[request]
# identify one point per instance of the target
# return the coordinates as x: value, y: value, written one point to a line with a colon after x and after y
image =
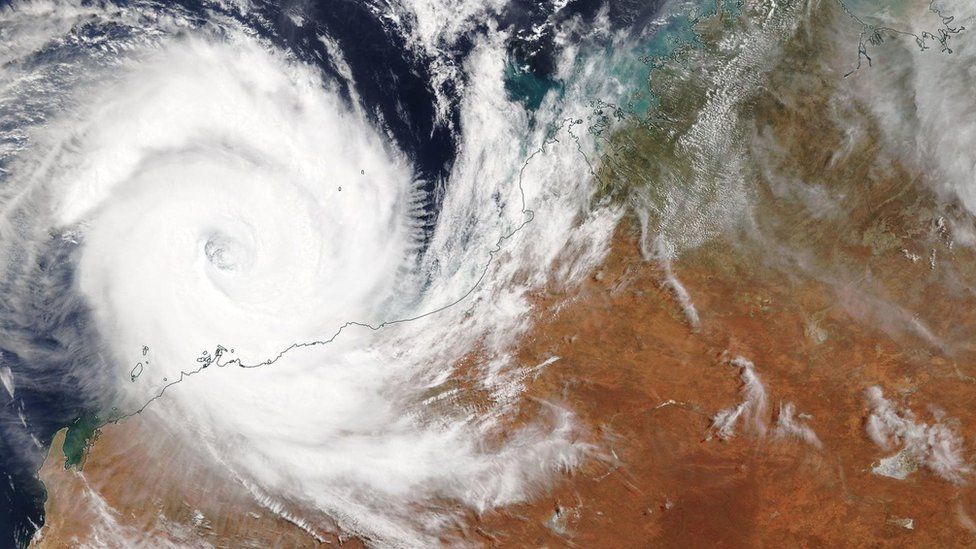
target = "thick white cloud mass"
x: 250, y: 248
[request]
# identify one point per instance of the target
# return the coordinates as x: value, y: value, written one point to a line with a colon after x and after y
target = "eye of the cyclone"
x: 226, y: 253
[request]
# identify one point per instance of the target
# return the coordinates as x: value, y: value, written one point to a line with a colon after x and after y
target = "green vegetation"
x: 82, y: 432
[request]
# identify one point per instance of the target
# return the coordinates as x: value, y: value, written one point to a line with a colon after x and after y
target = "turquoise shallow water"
x: 628, y: 63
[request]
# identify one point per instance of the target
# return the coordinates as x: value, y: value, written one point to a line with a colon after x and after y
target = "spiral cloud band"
x: 252, y: 257
x: 181, y: 171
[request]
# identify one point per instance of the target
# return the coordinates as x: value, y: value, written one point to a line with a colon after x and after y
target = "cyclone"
x: 256, y: 252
